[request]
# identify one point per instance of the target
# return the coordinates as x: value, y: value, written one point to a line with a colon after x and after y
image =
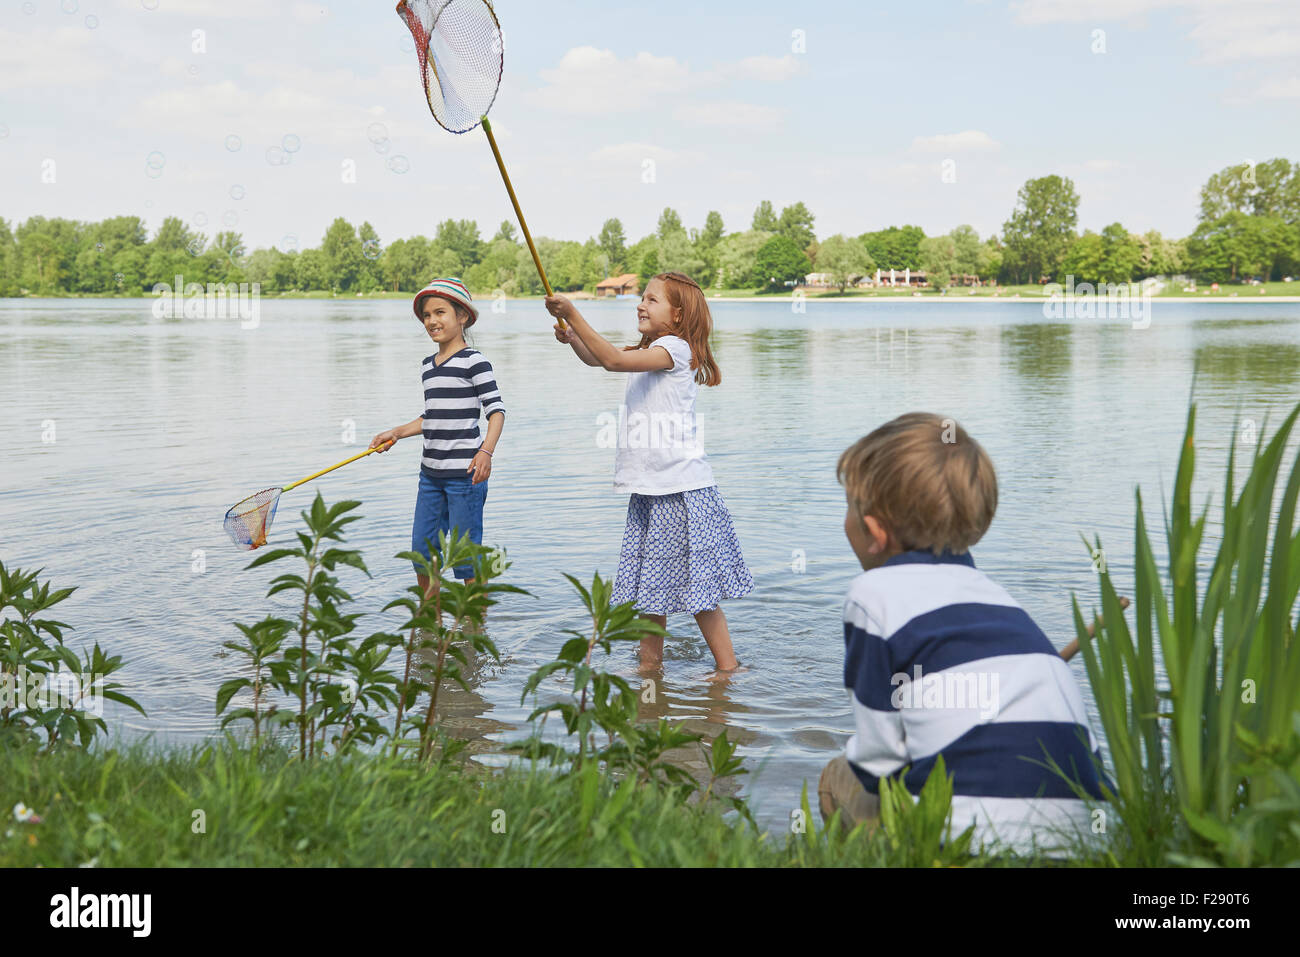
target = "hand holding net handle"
x: 519, y: 213
x: 359, y: 455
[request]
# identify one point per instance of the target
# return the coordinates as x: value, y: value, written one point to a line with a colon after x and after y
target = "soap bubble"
x: 195, y: 247
x: 155, y: 160
x: 119, y: 278
x: 371, y: 249
x: 289, y: 243
x: 238, y: 257
x: 99, y: 247
x: 382, y: 147
x: 233, y: 143
x: 92, y: 21
x: 377, y: 132
x: 398, y: 163
x: 29, y: 8
x: 276, y: 156
x: 149, y: 4
x: 236, y: 192
x: 194, y: 69
x: 69, y: 6
x: 229, y: 218
x: 4, y: 131
x: 200, y: 219
x: 291, y: 143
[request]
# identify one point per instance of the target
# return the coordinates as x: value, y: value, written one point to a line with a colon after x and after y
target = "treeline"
x: 1249, y: 228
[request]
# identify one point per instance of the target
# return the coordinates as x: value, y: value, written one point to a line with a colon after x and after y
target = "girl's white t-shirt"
x: 659, y: 448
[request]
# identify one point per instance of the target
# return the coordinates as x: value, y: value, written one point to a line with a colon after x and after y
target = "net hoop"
x: 441, y: 85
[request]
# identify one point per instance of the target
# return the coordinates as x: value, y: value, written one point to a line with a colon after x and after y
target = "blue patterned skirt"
x: 680, y: 553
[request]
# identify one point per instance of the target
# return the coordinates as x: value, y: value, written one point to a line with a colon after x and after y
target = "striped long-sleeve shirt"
x: 455, y: 393
x: 941, y: 660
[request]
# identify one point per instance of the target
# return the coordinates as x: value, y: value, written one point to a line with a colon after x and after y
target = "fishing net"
x: 461, y: 57
x: 248, y: 522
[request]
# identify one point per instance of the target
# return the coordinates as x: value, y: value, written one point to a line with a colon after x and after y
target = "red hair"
x: 686, y: 297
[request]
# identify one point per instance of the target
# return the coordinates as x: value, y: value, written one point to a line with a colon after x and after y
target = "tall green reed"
x: 1228, y: 725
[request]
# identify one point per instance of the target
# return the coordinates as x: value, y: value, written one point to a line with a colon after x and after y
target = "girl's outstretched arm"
x: 605, y: 353
x: 566, y: 334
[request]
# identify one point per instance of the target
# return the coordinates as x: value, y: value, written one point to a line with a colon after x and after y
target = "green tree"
x: 371, y: 276
x: 461, y: 237
x: 780, y: 262
x: 796, y: 224
x: 1271, y: 188
x: 8, y: 261
x: 313, y: 271
x: 47, y: 251
x: 939, y: 260
x: 845, y: 259
x: 1085, y: 258
x: 765, y: 218
x: 649, y: 265
x: 614, y: 244
x: 969, y: 256
x: 1042, y: 225
x: 736, y: 256
x: 1238, y: 245
x: 678, y: 254
x: 669, y: 223
x: 1121, y: 254
x: 341, y: 250
x: 713, y: 230
x: 896, y: 247
x: 506, y: 231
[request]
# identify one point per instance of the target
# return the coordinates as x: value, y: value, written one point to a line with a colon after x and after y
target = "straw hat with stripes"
x: 452, y: 289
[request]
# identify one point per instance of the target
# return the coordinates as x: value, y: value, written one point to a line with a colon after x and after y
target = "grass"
x: 219, y: 805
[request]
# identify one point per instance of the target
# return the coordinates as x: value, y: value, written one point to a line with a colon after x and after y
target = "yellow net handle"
x: 359, y: 455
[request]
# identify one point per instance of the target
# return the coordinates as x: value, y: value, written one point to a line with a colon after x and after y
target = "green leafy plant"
x: 446, y: 619
x: 918, y: 831
x: 1227, y: 725
x: 600, y: 701
x: 44, y: 686
x: 334, y: 678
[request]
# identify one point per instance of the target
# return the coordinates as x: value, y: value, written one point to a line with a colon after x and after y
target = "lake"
x: 126, y: 437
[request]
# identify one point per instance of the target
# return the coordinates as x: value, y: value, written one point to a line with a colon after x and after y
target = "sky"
x: 249, y: 114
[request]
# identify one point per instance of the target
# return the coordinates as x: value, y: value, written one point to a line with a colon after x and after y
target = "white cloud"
x: 1223, y: 30
x: 730, y: 114
x: 763, y: 68
x: 1280, y: 89
x: 50, y: 58
x: 967, y: 141
x: 588, y: 80
x: 1076, y: 11
x: 1104, y: 165
x: 223, y: 9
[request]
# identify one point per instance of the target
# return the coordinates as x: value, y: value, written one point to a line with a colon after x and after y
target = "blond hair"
x: 930, y: 484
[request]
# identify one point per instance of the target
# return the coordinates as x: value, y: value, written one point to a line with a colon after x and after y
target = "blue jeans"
x: 447, y: 503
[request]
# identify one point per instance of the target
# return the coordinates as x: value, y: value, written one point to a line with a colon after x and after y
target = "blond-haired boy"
x: 941, y: 660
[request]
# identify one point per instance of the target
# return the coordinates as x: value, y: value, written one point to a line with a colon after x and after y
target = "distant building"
x: 628, y: 284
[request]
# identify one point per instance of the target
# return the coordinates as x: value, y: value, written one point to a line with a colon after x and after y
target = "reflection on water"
x: 158, y: 426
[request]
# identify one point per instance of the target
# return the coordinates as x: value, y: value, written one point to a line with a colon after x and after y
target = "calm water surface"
x: 160, y: 425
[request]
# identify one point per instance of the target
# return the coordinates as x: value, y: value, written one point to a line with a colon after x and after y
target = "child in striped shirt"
x: 457, y: 460
x: 941, y: 660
